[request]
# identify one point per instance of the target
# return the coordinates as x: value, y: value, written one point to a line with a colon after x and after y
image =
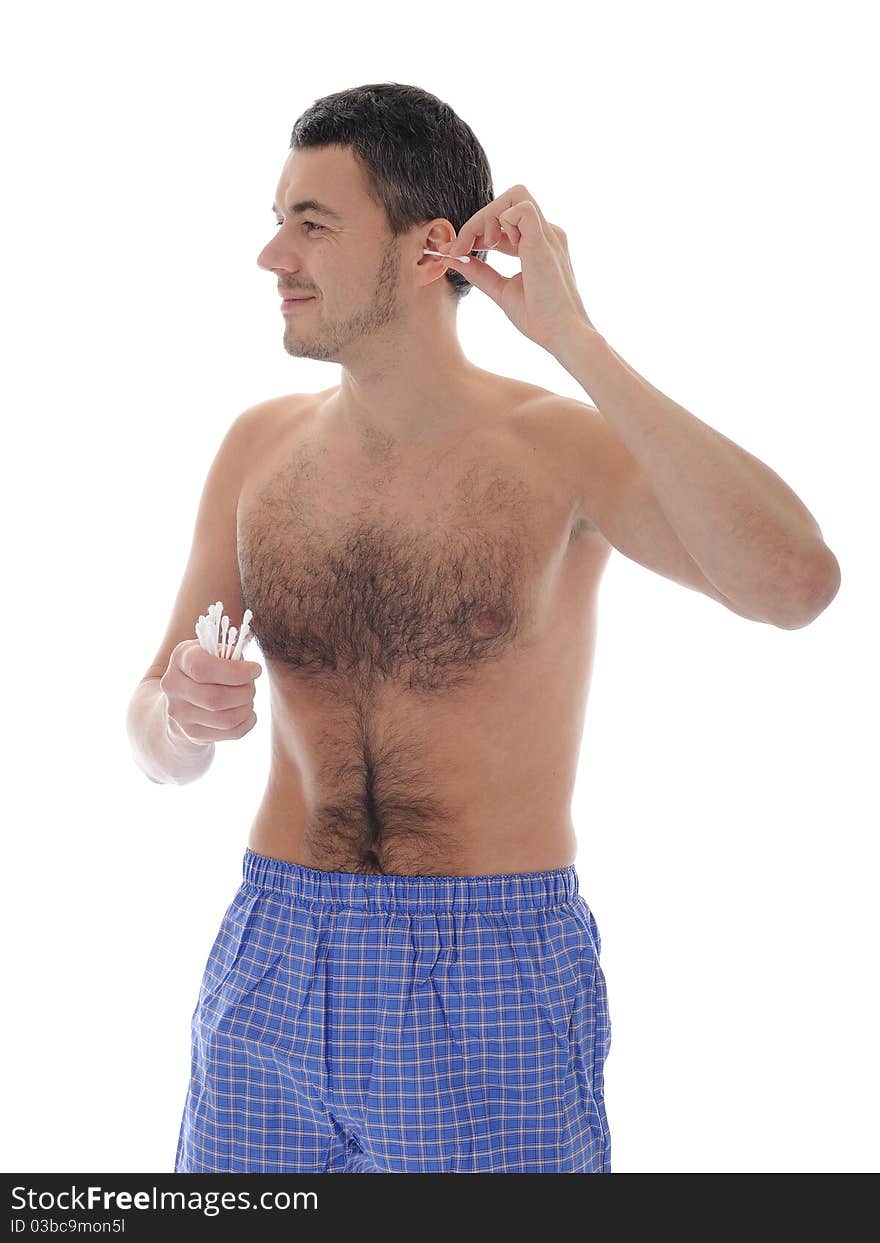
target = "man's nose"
x: 271, y: 257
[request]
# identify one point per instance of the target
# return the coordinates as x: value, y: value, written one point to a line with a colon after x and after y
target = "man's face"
x: 346, y: 263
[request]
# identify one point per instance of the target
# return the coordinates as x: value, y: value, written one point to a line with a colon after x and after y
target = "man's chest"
x: 419, y: 565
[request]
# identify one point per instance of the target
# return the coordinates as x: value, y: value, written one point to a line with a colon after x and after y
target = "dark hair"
x: 421, y: 160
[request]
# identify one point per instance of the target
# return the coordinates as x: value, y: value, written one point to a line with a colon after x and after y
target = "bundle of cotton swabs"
x: 217, y: 637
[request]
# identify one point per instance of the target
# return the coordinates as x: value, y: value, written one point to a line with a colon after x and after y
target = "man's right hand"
x: 210, y: 699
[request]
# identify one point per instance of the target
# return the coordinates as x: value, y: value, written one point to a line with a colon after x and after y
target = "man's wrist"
x: 181, y: 740
x: 575, y: 341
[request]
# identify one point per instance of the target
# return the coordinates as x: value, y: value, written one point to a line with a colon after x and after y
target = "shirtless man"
x: 407, y: 979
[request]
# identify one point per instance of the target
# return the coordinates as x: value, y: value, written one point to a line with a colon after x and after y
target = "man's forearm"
x: 746, y: 529
x: 165, y: 760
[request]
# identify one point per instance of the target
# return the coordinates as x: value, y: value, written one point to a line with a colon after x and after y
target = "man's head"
x: 399, y: 171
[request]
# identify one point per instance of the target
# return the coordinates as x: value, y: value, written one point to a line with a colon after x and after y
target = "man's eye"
x: 310, y: 223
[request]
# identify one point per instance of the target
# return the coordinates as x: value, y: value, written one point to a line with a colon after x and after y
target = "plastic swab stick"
x: 460, y: 258
x: 244, y: 635
x: 218, y: 609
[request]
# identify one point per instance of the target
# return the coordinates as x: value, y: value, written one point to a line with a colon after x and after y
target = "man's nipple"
x: 488, y: 622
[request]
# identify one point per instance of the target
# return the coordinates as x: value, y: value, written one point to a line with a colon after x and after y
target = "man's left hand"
x: 542, y: 299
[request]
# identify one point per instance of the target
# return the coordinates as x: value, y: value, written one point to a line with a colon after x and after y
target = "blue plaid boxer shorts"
x: 358, y: 1023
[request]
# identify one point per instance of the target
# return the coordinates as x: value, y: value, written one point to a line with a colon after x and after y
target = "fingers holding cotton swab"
x: 208, y: 700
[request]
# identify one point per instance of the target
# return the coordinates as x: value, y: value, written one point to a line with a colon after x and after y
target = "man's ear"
x: 441, y: 232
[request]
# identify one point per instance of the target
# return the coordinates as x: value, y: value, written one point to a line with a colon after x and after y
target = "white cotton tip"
x: 224, y: 626
x: 208, y: 627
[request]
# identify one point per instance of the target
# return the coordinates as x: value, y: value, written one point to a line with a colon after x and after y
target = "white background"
x: 712, y: 167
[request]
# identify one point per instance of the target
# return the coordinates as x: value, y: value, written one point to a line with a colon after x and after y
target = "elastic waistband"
x: 503, y: 891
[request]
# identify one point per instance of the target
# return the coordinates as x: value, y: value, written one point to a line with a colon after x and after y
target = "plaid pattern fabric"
x: 351, y: 1023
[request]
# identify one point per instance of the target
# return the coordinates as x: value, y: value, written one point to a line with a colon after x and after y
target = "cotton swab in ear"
x: 460, y: 258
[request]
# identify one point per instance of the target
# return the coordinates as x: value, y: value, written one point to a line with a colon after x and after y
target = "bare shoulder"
x: 263, y: 423
x: 567, y: 432
x: 275, y: 410
x: 536, y: 411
